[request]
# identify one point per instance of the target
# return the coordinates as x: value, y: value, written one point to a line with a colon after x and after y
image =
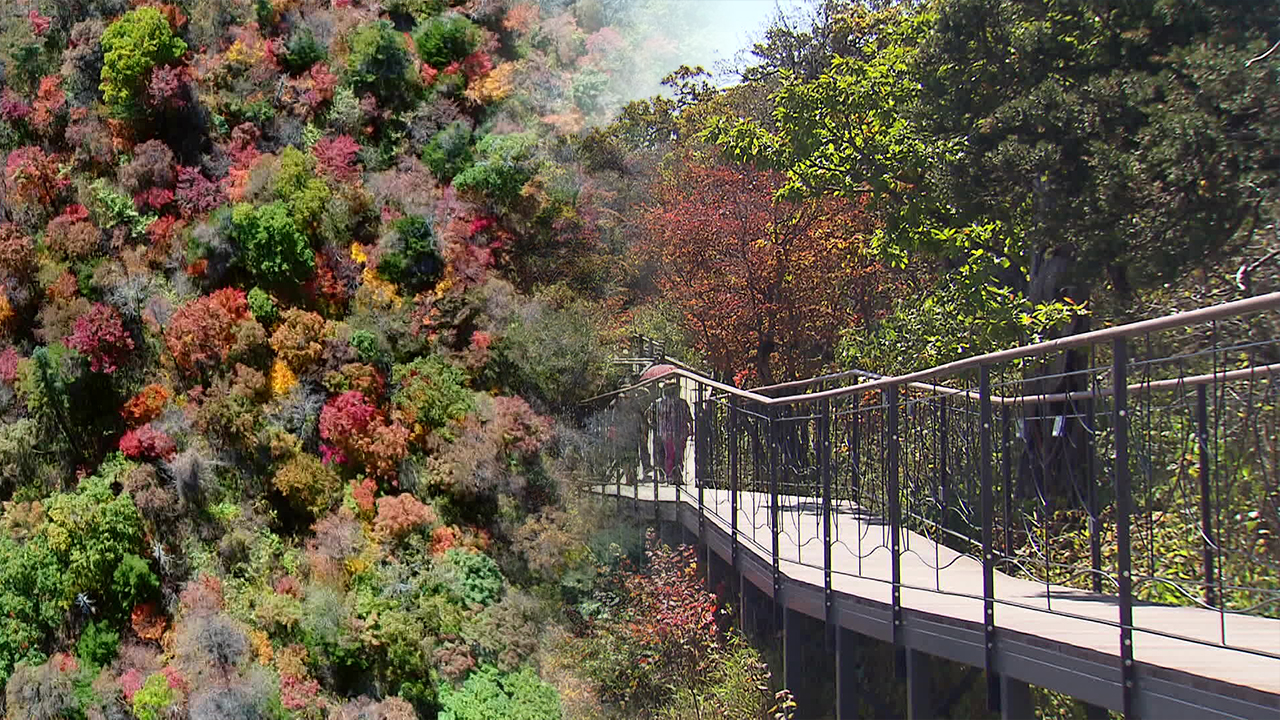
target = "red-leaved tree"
x: 765, y: 285
x: 202, y: 333
x: 100, y: 336
x: 361, y: 432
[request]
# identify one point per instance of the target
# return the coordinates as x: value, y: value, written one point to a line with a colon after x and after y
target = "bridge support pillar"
x: 919, y: 686
x: 792, y: 637
x: 847, y: 681
x: 1015, y: 700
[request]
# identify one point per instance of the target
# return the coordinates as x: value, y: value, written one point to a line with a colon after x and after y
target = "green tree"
x: 379, y: 63
x: 275, y: 250
x: 132, y: 47
x: 505, y: 163
x: 445, y: 39
x: 491, y: 693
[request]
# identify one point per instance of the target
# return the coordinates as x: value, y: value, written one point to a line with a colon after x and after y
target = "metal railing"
x: 1138, y: 464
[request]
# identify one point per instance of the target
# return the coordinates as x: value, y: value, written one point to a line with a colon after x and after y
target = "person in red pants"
x: 674, y: 424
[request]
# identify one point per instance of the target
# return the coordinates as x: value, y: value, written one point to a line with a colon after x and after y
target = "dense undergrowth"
x: 291, y: 294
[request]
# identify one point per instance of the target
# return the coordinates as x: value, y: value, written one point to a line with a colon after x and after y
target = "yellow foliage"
x: 282, y: 378
x: 495, y: 86
x: 6, y: 310
x: 261, y: 646
x: 358, y: 254
x: 375, y: 292
x: 242, y: 53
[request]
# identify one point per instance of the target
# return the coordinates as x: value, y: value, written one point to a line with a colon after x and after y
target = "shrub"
x: 446, y: 39
x: 262, y: 306
x: 662, y: 635
x: 196, y: 194
x: 505, y: 163
x: 152, y: 700
x: 43, y: 692
x: 524, y: 432
x: 308, y: 483
x: 399, y: 515
x: 211, y: 646
x: 415, y: 264
x: 549, y: 353
x: 70, y: 236
x: 490, y: 693
x: 147, y: 443
x: 133, y: 582
x: 91, y: 531
x: 297, y: 340
x: 132, y: 46
x: 449, y: 151
x: 145, y: 406
x: 379, y: 63
x: 98, y: 644
x: 33, y: 177
x: 357, y: 428
x: 302, y: 50
x: 276, y: 251
x: 151, y: 166
x: 100, y: 336
x: 82, y: 62
x: 336, y: 157
x: 472, y: 577
x: 202, y: 333
x: 430, y: 393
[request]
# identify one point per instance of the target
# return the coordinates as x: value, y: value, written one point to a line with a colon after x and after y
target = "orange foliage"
x: 145, y: 406
x: 148, y: 622
x: 766, y: 285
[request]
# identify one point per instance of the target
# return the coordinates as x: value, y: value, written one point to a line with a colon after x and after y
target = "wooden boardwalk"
x: 940, y: 582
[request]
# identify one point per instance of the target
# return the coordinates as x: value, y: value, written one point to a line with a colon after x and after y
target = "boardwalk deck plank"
x: 1064, y: 617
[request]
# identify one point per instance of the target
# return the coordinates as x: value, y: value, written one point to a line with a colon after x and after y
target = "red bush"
x: 100, y: 336
x: 50, y: 104
x: 523, y: 431
x: 353, y: 425
x: 17, y: 253
x: 336, y: 157
x: 9, y: 365
x: 147, y: 443
x: 34, y: 177
x: 196, y: 194
x: 201, y: 333
x: 399, y: 515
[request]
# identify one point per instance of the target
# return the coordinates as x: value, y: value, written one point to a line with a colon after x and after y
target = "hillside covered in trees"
x: 299, y: 298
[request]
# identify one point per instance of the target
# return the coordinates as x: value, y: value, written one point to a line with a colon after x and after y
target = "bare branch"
x: 1264, y: 55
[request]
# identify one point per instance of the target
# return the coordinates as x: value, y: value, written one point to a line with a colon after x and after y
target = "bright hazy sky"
x: 732, y: 25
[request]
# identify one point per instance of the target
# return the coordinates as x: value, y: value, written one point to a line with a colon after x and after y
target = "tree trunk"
x: 1054, y: 458
x: 764, y: 362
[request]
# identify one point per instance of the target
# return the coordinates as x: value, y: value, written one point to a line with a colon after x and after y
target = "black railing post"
x: 1206, y: 515
x: 1006, y: 475
x: 657, y: 440
x: 855, y: 472
x: 732, y: 436
x: 701, y: 466
x: 1091, y: 468
x: 1124, y: 506
x: 775, y: 512
x: 895, y: 526
x: 994, y: 700
x: 824, y: 471
x: 943, y: 470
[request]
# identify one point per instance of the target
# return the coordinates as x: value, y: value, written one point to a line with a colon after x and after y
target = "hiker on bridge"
x: 673, y: 423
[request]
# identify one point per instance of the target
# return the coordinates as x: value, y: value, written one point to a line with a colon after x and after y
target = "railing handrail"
x: 1221, y: 311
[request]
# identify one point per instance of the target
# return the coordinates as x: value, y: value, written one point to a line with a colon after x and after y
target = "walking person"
x: 673, y: 421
